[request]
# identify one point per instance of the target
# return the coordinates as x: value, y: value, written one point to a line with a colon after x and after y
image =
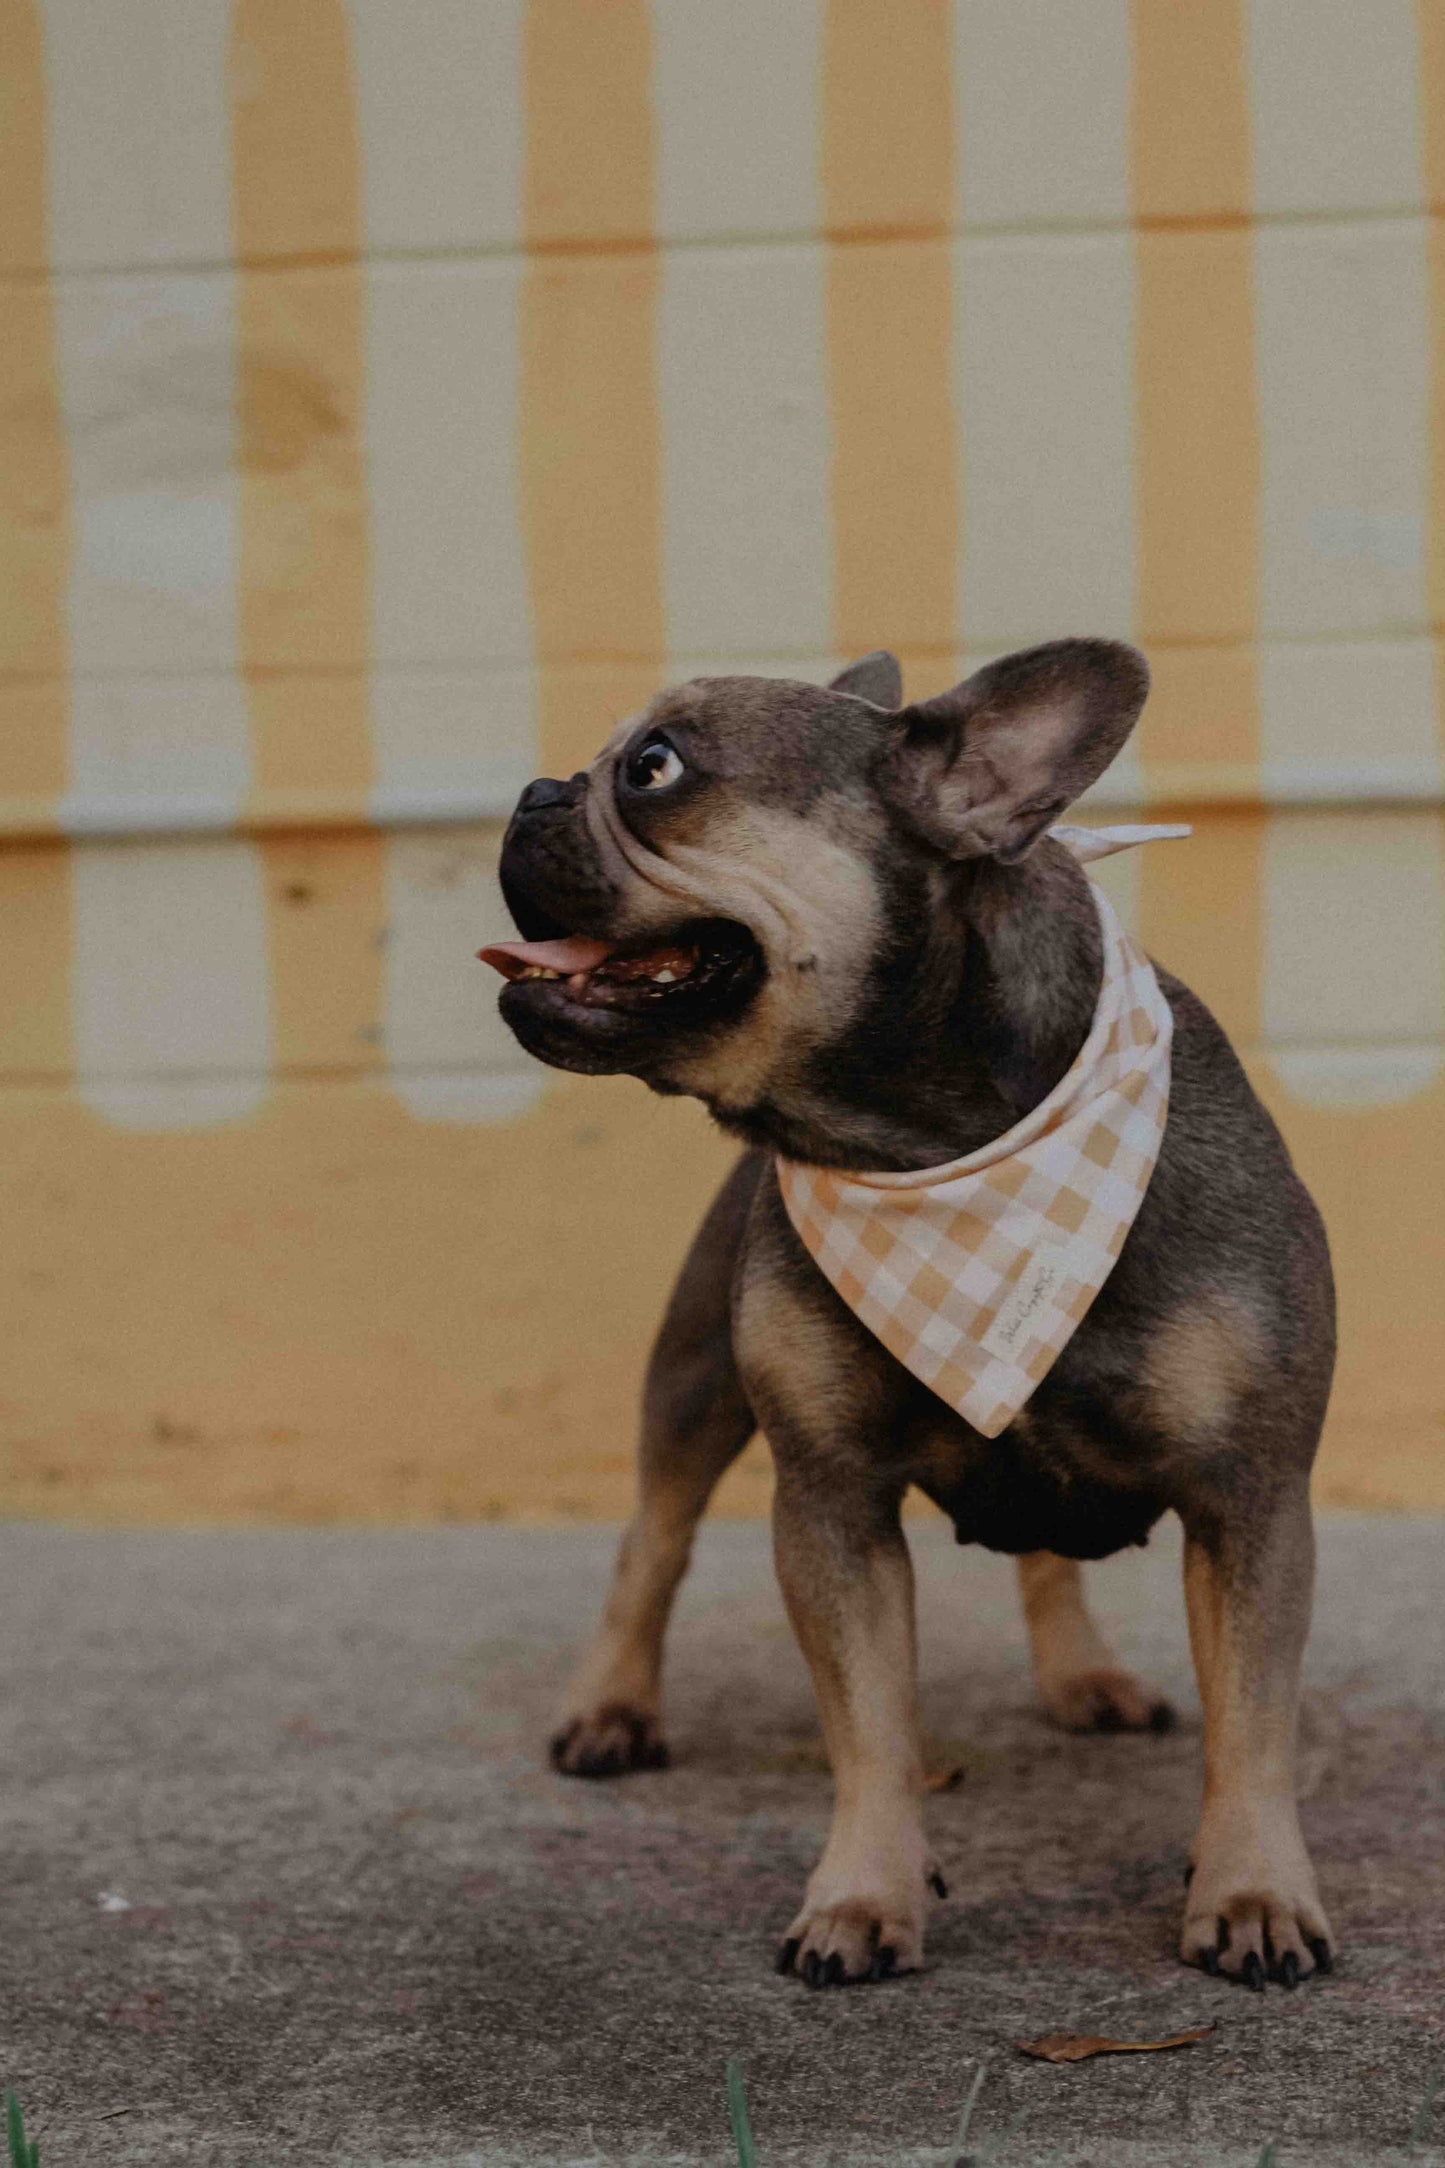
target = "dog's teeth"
x: 664, y: 977
x: 540, y: 971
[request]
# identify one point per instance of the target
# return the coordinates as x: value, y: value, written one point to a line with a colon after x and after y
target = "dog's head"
x: 724, y: 894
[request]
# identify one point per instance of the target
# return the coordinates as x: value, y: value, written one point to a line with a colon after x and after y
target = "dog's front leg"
x: 848, y: 1583
x: 1253, y: 1909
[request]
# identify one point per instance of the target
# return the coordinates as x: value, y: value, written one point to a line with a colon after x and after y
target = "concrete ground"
x: 287, y: 1881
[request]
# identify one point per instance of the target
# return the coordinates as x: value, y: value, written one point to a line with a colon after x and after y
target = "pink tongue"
x: 576, y: 953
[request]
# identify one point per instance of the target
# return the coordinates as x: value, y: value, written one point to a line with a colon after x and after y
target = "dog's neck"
x: 966, y: 1024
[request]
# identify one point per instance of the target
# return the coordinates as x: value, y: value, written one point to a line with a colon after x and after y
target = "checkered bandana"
x: 975, y: 1274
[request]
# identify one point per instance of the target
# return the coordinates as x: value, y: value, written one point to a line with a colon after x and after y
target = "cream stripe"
x: 745, y: 449
x: 143, y: 747
x: 1333, y: 90
x: 588, y: 411
x: 138, y: 103
x: 1348, y: 720
x: 890, y: 331
x: 1354, y: 1001
x: 441, y: 120
x: 148, y: 375
x: 1043, y: 96
x: 1044, y: 352
x: 171, y: 1008
x: 735, y: 96
x: 451, y: 1057
x: 450, y: 586
x: 1343, y: 413
x: 453, y: 697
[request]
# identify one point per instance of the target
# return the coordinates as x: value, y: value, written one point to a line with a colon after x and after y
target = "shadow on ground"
x: 287, y: 1882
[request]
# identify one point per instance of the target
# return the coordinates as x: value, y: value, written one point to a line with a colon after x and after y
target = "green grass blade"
x: 965, y: 2121
x: 738, y: 2117
x: 22, y: 2155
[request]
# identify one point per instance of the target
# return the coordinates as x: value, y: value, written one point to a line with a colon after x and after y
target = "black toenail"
x: 812, y: 1970
x: 1161, y: 1717
x: 1320, y: 1952
x: 937, y: 1884
x: 884, y: 1962
x: 787, y: 1953
x: 1253, y: 1972
x: 1209, y: 1959
x: 833, y: 1971
x: 1289, y: 1970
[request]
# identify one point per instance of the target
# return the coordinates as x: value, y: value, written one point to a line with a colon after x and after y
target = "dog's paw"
x: 855, y: 1939
x: 610, y: 1741
x: 843, y: 1936
x: 1253, y: 1913
x: 1105, y: 1701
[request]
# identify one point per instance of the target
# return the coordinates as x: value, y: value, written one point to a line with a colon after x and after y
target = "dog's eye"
x: 654, y: 765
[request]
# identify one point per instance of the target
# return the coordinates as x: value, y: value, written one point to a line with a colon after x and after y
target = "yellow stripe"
x: 1191, y: 111
x: 1432, y: 111
x: 36, y: 1041
x: 304, y: 605
x: 1198, y: 438
x: 886, y: 78
x: 588, y: 423
x: 34, y: 527
x: 1199, y: 913
x: 1197, y: 486
x: 35, y: 1034
x: 304, y: 599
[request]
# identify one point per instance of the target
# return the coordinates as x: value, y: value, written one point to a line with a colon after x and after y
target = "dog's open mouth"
x: 701, y: 962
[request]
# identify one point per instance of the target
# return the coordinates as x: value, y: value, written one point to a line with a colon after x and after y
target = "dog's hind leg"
x: 1081, y: 1683
x: 695, y: 1422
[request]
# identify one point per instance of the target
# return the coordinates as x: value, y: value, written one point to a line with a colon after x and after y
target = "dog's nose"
x: 544, y: 792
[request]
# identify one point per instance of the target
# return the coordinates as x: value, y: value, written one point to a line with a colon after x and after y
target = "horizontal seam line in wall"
x: 607, y: 658
x: 383, y: 1072
x: 387, y: 1072
x: 640, y: 246
x: 481, y: 809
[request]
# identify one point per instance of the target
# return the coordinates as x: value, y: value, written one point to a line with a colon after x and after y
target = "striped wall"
x: 392, y: 397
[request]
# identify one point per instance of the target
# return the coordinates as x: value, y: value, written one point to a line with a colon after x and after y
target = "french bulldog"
x: 842, y: 924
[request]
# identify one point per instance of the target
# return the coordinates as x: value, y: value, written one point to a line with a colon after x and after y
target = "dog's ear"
x: 985, y: 769
x: 874, y: 677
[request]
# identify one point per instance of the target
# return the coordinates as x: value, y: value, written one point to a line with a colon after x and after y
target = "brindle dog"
x: 842, y: 926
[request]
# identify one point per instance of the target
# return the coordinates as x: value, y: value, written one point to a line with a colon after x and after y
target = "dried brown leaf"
x: 1078, y: 2047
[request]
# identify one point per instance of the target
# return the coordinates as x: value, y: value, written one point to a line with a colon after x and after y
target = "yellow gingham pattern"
x: 975, y: 1274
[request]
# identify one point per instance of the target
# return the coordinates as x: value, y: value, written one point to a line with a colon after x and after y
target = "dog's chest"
x: 1037, y: 1487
